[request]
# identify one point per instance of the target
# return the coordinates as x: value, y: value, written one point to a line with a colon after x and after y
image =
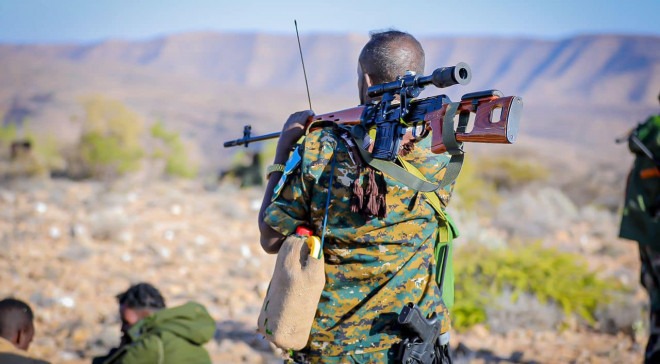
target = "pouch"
x: 289, y: 308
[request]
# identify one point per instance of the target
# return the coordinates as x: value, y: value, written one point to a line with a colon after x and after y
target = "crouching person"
x: 152, y: 333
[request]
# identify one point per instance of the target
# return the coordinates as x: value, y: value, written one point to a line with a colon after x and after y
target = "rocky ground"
x: 69, y: 247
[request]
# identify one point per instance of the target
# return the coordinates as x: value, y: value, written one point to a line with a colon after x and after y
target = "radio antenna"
x: 303, y: 64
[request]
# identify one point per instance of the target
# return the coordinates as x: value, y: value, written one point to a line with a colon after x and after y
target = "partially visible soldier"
x: 16, y: 332
x: 248, y: 174
x: 641, y: 219
x: 152, y: 333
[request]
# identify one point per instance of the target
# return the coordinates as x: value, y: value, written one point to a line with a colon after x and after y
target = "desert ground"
x: 69, y: 247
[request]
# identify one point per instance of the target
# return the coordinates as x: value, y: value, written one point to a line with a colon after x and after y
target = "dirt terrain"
x: 69, y: 247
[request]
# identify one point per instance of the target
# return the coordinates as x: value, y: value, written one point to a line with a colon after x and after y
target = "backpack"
x: 641, y: 210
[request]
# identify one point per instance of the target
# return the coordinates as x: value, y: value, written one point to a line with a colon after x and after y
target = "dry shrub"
x: 550, y: 276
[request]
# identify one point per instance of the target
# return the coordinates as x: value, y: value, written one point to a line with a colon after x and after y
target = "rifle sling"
x: 391, y: 169
x: 454, y: 148
x: 443, y: 231
x: 645, y: 150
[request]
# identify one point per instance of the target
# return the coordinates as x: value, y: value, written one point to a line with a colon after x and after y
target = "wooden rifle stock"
x: 489, y: 127
x: 350, y: 116
x: 484, y: 105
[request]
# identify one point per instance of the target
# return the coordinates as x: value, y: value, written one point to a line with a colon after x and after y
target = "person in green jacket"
x: 152, y: 333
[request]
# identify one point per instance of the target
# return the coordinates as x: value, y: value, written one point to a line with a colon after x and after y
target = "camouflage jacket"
x: 640, y: 220
x: 373, y: 266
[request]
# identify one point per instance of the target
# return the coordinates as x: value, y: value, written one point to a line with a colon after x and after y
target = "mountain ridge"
x: 586, y: 62
x: 207, y: 84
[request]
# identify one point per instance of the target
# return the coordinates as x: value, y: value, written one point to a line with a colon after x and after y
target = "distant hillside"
x: 585, y: 89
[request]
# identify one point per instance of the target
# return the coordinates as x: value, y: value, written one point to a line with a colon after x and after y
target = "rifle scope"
x: 441, y: 77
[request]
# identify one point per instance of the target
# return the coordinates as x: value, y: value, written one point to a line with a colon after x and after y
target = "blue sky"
x: 42, y: 21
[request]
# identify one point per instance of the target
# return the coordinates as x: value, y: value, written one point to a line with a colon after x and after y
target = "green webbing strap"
x: 391, y: 169
x: 445, y: 233
x: 431, y: 197
x: 454, y: 148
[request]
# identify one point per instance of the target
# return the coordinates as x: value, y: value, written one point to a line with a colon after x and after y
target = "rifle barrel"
x: 246, y: 141
x: 645, y: 150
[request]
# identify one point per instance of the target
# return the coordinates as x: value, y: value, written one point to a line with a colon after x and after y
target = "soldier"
x: 641, y: 219
x: 16, y: 332
x: 248, y: 175
x: 380, y: 236
x: 152, y: 333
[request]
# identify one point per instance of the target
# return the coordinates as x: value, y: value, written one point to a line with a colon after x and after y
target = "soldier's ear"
x: 364, y: 82
x: 24, y: 337
x: 367, y: 80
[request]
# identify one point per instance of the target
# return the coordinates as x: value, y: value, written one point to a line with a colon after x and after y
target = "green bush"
x: 110, y: 140
x: 46, y: 149
x: 483, y: 274
x: 173, y: 151
x: 106, y: 153
x: 472, y: 189
x: 8, y: 134
x: 482, y: 178
x: 511, y: 172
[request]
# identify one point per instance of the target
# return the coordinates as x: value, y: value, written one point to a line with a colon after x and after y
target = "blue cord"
x: 327, y: 202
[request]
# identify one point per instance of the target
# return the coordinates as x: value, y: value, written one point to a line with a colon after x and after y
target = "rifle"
x: 495, y: 118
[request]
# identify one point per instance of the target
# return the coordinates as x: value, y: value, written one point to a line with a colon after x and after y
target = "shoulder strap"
x: 391, y: 169
x: 454, y: 148
x: 118, y: 353
x: 124, y: 348
x: 432, y: 198
x: 441, y: 253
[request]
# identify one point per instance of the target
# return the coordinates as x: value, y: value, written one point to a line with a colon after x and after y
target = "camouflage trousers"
x: 383, y: 356
x: 390, y: 356
x: 650, y: 279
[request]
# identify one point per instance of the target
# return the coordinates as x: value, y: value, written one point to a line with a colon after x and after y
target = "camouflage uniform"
x: 650, y: 275
x: 373, y: 266
x: 641, y: 221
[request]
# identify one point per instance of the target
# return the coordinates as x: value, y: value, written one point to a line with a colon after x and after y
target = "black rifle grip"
x: 386, y: 144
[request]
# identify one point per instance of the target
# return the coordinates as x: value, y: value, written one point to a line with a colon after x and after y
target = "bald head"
x: 16, y: 322
x: 390, y: 54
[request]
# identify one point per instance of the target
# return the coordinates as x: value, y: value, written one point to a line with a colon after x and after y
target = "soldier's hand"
x: 294, y: 128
